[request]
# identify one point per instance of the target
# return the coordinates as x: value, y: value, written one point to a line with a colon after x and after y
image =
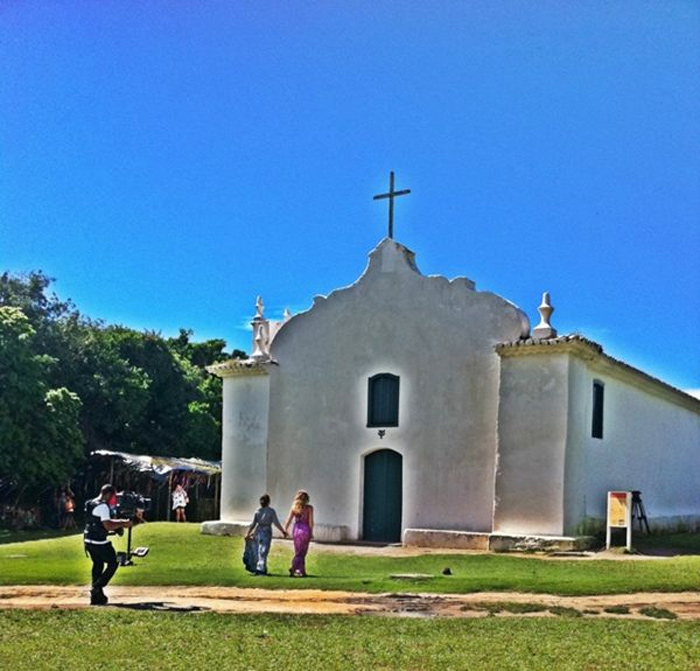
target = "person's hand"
x: 127, y: 524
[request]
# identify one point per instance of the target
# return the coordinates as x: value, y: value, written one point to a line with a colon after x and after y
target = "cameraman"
x: 98, y: 522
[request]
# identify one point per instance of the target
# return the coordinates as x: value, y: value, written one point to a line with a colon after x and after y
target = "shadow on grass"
x: 665, y: 551
x: 13, y: 536
x: 667, y: 545
x: 160, y: 606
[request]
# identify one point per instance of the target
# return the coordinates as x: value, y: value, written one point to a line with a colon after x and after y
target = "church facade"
x: 415, y: 408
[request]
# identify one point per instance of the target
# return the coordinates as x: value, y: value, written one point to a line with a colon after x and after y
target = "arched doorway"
x: 381, y: 516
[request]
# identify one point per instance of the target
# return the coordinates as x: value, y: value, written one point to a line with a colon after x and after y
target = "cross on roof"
x: 391, y: 195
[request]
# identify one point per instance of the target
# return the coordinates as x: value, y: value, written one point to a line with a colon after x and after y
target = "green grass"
x: 124, y: 639
x: 11, y: 536
x: 180, y: 555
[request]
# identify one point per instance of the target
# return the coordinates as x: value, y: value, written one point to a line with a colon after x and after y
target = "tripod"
x: 124, y: 558
x: 638, y: 511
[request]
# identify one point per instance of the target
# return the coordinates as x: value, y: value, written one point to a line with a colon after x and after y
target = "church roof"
x: 593, y: 352
x: 234, y: 367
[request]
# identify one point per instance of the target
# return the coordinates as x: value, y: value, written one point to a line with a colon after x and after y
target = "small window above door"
x: 383, y: 400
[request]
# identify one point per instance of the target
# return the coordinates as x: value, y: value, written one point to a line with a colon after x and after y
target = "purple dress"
x: 302, y: 537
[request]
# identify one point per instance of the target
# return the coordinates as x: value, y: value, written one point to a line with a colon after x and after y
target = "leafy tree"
x: 62, y: 437
x: 172, y: 387
x: 203, y: 424
x: 40, y: 439
x: 44, y: 310
x: 202, y: 354
x: 67, y: 381
x: 115, y: 393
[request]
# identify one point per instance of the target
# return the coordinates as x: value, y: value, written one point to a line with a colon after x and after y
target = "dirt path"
x: 685, y: 605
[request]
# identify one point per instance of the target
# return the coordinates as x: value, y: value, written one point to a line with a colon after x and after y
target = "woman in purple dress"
x: 303, y: 515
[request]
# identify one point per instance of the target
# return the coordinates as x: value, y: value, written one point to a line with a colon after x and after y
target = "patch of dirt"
x: 685, y: 605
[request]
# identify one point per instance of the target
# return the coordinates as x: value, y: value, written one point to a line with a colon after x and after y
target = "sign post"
x: 619, y: 516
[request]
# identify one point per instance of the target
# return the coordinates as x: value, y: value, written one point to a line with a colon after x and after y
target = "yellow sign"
x: 617, y: 509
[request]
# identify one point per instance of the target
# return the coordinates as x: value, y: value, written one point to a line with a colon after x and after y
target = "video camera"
x: 133, y: 506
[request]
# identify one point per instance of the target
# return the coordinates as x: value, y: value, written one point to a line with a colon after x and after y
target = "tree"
x: 203, y: 423
x: 71, y: 385
x: 114, y: 392
x: 40, y: 439
x: 44, y: 310
x: 172, y: 386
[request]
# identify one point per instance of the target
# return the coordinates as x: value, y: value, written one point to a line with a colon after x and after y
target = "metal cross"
x: 391, y: 195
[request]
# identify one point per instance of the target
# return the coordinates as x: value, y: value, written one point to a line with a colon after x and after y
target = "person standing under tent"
x: 69, y: 510
x: 180, y: 501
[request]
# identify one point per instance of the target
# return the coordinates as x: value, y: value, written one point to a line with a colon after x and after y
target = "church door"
x: 381, y: 519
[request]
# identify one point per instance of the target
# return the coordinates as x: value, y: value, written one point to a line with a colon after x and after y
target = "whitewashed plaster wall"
x: 246, y: 400
x: 438, y: 336
x: 578, y: 435
x: 552, y: 475
x: 651, y: 442
x: 532, y: 428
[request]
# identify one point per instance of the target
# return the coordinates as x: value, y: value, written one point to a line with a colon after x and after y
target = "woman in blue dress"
x: 261, y: 529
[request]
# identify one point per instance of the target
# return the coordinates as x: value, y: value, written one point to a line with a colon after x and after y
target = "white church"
x: 418, y: 409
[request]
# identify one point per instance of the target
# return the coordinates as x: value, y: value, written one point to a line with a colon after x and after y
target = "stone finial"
x: 259, y: 344
x: 259, y: 308
x: 261, y: 333
x: 544, y: 329
x: 287, y: 315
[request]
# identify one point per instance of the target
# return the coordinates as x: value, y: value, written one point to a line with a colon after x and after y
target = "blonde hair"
x: 301, y: 499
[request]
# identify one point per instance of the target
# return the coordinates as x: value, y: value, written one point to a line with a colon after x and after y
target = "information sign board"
x: 619, y: 515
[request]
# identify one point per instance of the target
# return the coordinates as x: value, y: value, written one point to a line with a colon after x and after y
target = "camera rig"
x: 132, y: 506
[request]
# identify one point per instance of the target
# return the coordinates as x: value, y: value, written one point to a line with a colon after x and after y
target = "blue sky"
x: 167, y: 162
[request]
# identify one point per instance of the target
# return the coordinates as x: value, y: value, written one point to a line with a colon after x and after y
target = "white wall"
x: 532, y: 428
x: 651, y: 442
x: 244, y: 444
x: 438, y: 337
x: 553, y: 476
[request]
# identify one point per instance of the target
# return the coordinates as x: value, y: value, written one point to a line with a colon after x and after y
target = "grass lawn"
x: 112, y: 639
x: 10, y: 536
x: 180, y: 555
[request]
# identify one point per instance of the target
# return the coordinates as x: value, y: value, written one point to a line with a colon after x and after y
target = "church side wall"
x: 577, y: 451
x: 244, y: 445
x: 650, y: 443
x: 532, y: 428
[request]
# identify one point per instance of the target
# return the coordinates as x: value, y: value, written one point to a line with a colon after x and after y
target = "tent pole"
x: 170, y: 491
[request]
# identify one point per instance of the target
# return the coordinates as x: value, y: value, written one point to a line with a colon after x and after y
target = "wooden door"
x: 381, y: 519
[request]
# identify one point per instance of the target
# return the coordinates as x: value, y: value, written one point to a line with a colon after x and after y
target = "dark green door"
x: 381, y: 519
